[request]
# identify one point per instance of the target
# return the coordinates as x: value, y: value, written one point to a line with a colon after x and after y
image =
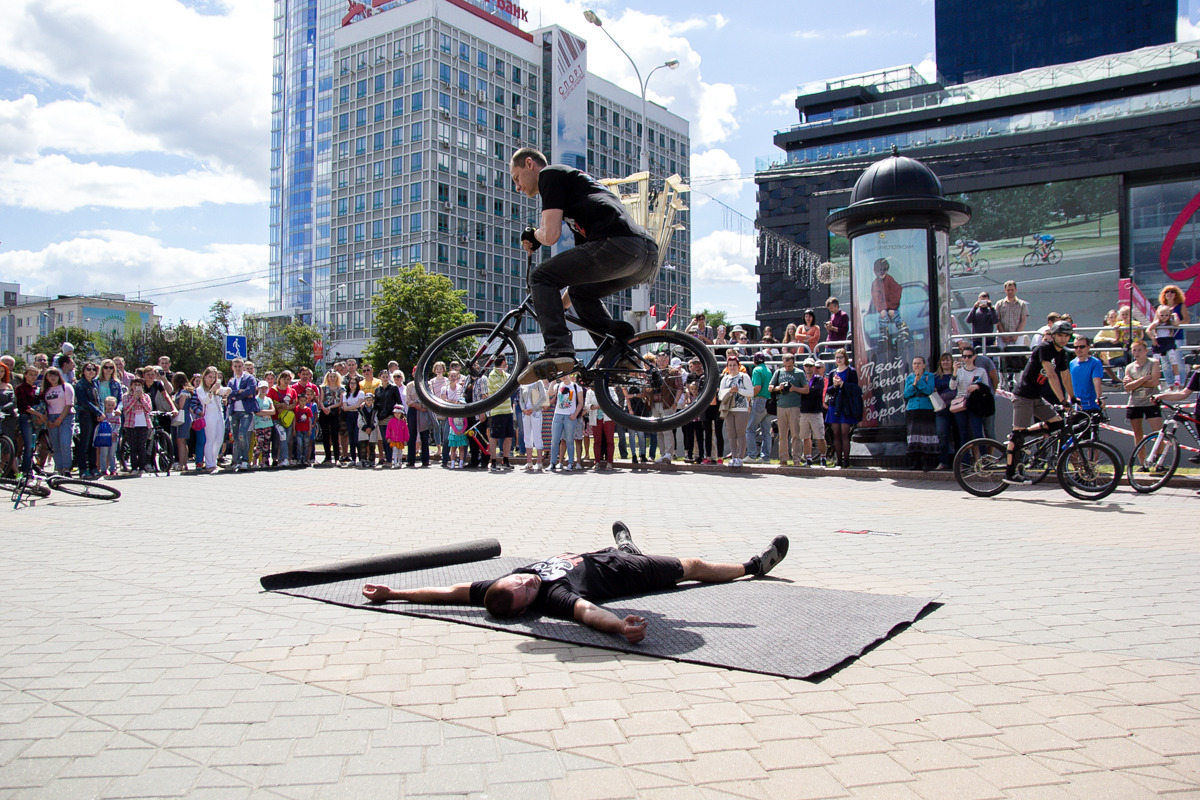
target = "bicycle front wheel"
x: 89, y: 489
x: 36, y: 488
x: 979, y: 467
x: 1031, y: 259
x: 162, y: 452
x: 8, y: 457
x: 476, y: 347
x: 637, y: 387
x: 1153, y: 462
x: 1089, y: 470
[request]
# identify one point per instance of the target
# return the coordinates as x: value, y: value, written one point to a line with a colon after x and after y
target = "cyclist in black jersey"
x: 612, y: 252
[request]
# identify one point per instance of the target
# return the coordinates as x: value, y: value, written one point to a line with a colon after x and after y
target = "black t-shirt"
x: 1032, y: 379
x: 590, y: 210
x: 1193, y: 385
x: 569, y: 577
x: 811, y: 403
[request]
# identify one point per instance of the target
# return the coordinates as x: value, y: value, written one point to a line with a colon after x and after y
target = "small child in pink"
x: 397, y: 435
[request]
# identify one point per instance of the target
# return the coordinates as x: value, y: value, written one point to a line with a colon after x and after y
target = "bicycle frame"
x: 1067, y: 435
x: 1177, y: 417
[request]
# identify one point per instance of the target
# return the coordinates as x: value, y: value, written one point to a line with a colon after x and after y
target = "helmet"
x: 958, y: 242
x: 1062, y: 326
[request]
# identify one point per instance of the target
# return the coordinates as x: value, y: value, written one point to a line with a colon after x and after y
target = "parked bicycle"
x: 617, y: 370
x: 1087, y: 469
x: 159, y: 449
x: 1156, y: 457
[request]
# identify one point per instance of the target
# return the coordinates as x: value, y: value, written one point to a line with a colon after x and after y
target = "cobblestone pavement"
x: 138, y: 657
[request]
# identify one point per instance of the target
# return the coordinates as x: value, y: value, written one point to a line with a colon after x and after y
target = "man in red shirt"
x: 885, y: 299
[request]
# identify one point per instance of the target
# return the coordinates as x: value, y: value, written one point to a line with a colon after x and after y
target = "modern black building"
x: 1103, y: 155
x: 979, y: 40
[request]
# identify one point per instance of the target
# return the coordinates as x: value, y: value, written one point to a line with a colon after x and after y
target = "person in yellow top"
x: 501, y: 428
x: 369, y: 382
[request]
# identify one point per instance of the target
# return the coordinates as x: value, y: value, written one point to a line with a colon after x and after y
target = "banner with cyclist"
x: 1059, y: 241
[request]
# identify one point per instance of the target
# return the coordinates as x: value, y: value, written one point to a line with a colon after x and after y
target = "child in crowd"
x: 1163, y: 328
x: 302, y: 426
x: 135, y: 423
x: 397, y: 435
x: 106, y: 455
x: 457, y: 441
x: 263, y: 422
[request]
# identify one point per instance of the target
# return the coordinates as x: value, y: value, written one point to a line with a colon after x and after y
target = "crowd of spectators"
x: 778, y: 399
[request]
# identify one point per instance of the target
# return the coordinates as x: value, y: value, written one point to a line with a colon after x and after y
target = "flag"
x: 671, y: 313
x: 654, y: 310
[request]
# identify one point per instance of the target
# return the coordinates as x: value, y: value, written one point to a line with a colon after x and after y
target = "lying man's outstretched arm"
x: 632, y: 628
x: 458, y: 594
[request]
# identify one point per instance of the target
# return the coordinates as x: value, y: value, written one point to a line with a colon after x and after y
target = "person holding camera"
x: 786, y: 384
x: 983, y: 318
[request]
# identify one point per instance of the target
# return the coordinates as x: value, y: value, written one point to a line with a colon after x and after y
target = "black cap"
x: 760, y: 358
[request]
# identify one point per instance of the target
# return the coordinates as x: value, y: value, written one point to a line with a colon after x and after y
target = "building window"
x: 397, y: 226
x: 378, y: 141
x: 444, y: 73
x: 377, y: 200
x: 443, y: 223
x: 397, y: 106
x: 414, y: 192
x: 397, y: 136
x: 360, y: 118
x: 360, y: 203
x: 418, y: 101
x: 414, y: 253
x: 397, y: 195
x: 464, y: 81
x: 482, y: 59
x: 463, y: 198
x: 415, y: 162
x: 444, y: 42
x: 443, y: 254
x: 397, y: 165
x: 398, y: 77
x: 380, y: 82
x: 377, y: 229
x: 414, y: 223
x: 443, y: 193
x: 416, y: 132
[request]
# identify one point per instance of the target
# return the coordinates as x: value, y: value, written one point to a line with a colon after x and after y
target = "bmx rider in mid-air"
x: 612, y: 252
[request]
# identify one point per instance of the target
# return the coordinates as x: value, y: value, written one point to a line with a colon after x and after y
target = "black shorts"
x: 633, y: 574
x: 1143, y: 412
x: 500, y: 426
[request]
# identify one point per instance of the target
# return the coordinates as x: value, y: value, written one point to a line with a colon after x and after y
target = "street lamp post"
x: 644, y: 161
x: 640, y: 295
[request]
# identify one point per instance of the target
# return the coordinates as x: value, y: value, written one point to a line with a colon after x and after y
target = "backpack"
x: 103, y: 436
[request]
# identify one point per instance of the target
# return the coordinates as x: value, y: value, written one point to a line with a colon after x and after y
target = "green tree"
x: 84, y: 341
x: 221, y: 317
x: 713, y: 317
x: 412, y: 309
x: 287, y: 346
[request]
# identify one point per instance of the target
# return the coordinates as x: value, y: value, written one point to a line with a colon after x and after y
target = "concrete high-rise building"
x: 397, y: 153
x: 977, y: 40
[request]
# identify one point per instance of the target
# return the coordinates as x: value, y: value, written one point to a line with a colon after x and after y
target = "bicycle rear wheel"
x: 1089, y: 470
x: 1054, y: 256
x: 979, y: 467
x: 477, y: 347
x: 89, y: 489
x: 1153, y: 462
x: 8, y: 457
x: 1040, y: 459
x: 981, y: 265
x: 640, y: 369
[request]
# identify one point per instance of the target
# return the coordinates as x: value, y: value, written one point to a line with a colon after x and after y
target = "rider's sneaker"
x: 1017, y: 480
x: 771, y: 557
x: 624, y: 538
x: 546, y: 368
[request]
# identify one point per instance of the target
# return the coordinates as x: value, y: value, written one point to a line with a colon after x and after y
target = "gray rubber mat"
x: 755, y: 625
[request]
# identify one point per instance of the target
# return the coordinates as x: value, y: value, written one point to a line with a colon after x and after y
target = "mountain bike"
x: 1041, y: 454
x: 1156, y: 457
x: 1037, y: 255
x: 617, y: 370
x: 1087, y: 469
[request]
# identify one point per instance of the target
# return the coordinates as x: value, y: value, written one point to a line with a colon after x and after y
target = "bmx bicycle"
x: 37, y: 484
x: 1087, y: 469
x: 1156, y: 457
x: 617, y: 371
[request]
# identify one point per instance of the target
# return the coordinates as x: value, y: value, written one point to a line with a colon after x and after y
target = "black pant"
x: 593, y: 270
x: 329, y: 434
x: 413, y: 435
x: 714, y: 424
x: 693, y: 438
x: 138, y: 449
x: 85, y: 453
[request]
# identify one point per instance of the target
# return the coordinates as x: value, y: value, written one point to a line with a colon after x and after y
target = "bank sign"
x: 361, y: 10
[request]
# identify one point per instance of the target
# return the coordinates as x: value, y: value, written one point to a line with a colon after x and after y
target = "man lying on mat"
x: 565, y: 586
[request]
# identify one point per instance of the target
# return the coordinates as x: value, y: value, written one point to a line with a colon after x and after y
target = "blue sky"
x: 134, y: 137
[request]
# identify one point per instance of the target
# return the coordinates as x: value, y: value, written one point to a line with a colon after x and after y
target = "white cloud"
x: 154, y: 75
x: 716, y: 173
x: 720, y: 21
x: 928, y: 68
x: 653, y: 39
x: 120, y: 261
x: 725, y: 257
x: 55, y: 183
x: 1186, y: 30
x: 27, y: 128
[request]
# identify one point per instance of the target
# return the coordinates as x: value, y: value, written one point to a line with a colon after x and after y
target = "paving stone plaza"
x: 139, y: 657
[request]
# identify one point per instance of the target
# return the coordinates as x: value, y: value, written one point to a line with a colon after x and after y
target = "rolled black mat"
x: 441, y: 556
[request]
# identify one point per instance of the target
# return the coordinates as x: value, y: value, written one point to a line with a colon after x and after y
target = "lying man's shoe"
x: 770, y: 558
x: 624, y: 538
x: 546, y: 368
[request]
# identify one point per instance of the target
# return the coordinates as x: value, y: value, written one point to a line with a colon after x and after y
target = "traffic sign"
x: 235, y: 347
